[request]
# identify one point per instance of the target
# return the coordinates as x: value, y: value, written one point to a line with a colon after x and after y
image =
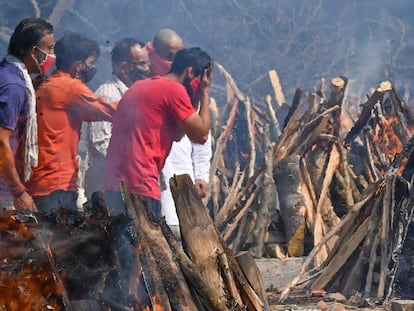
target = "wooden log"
x: 267, y: 199
x: 252, y: 273
x: 151, y: 276
x: 240, y: 215
x: 273, y: 118
x: 232, y: 198
x: 357, y: 275
x: 222, y: 140
x: 277, y: 88
x: 383, y: 88
x: 193, y: 275
x: 250, y: 131
x: 165, y: 282
x: 402, y: 305
x: 245, y: 227
x: 295, y: 104
x: 323, y: 210
x: 196, y: 225
x: 337, y: 87
x: 174, y: 282
x: 340, y: 258
x: 385, y: 242
x: 292, y: 207
x: 309, y: 194
x: 228, y: 277
x: 348, y: 218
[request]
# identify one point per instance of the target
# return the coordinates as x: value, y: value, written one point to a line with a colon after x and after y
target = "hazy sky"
x: 304, y: 40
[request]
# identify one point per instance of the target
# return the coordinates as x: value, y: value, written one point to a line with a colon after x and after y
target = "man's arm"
x: 22, y: 200
x: 89, y: 105
x: 201, y: 157
x: 197, y: 126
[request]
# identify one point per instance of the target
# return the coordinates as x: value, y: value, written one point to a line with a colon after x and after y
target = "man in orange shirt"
x: 63, y: 102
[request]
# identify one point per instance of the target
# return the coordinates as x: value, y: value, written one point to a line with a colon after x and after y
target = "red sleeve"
x: 90, y: 106
x: 180, y: 104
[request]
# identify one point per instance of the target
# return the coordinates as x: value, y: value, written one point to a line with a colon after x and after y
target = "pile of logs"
x: 327, y: 183
x: 308, y: 178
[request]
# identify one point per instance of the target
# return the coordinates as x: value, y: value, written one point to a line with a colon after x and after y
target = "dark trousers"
x: 116, y: 204
x: 57, y: 199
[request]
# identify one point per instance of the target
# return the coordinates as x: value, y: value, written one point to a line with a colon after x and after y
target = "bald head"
x: 167, y: 43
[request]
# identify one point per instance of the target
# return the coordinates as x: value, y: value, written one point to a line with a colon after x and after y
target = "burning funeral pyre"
x: 305, y: 179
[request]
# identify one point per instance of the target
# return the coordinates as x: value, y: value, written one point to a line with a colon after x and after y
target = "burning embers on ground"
x: 47, y: 261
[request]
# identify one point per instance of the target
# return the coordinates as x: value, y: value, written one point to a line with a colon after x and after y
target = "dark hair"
x: 122, y: 50
x: 27, y: 34
x: 191, y: 57
x: 73, y: 47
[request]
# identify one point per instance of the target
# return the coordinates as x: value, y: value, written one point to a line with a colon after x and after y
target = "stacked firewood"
x: 325, y: 181
x: 307, y: 178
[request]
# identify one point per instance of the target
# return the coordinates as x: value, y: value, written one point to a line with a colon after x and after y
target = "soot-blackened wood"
x: 172, y: 277
x: 151, y: 277
x: 196, y: 226
x: 267, y: 199
x: 292, y: 206
x: 366, y: 111
x: 196, y: 281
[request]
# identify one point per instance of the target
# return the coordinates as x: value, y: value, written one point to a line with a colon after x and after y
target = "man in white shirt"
x: 130, y: 62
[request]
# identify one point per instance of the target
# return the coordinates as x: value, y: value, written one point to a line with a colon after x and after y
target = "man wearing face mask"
x: 146, y: 122
x: 185, y: 156
x: 30, y: 52
x: 63, y: 102
x: 130, y: 62
x: 162, y: 49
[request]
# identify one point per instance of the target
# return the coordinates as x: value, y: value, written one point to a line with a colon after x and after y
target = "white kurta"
x: 97, y: 137
x: 185, y: 158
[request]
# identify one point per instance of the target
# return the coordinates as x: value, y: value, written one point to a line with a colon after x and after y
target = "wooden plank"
x: 342, y: 256
x: 277, y: 88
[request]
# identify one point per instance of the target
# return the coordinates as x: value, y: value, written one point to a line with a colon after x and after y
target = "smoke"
x: 366, y: 41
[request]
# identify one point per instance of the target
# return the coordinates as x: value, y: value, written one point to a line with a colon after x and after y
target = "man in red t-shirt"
x: 151, y: 114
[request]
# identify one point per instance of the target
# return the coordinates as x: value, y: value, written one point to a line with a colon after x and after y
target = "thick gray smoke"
x: 366, y: 41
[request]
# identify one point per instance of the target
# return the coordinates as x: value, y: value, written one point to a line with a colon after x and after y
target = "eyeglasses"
x: 139, y: 64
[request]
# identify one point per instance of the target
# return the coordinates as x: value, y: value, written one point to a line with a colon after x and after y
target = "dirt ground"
x: 276, y: 274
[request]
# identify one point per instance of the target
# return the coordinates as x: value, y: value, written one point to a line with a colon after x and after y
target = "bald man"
x: 185, y: 157
x: 162, y: 50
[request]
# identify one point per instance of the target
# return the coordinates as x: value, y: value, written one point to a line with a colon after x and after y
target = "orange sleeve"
x: 90, y: 106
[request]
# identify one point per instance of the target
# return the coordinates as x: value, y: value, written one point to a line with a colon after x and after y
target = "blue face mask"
x: 87, y: 73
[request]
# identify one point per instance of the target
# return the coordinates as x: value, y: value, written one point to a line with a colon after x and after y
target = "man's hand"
x: 25, y: 201
x: 202, y: 188
x: 205, y: 80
